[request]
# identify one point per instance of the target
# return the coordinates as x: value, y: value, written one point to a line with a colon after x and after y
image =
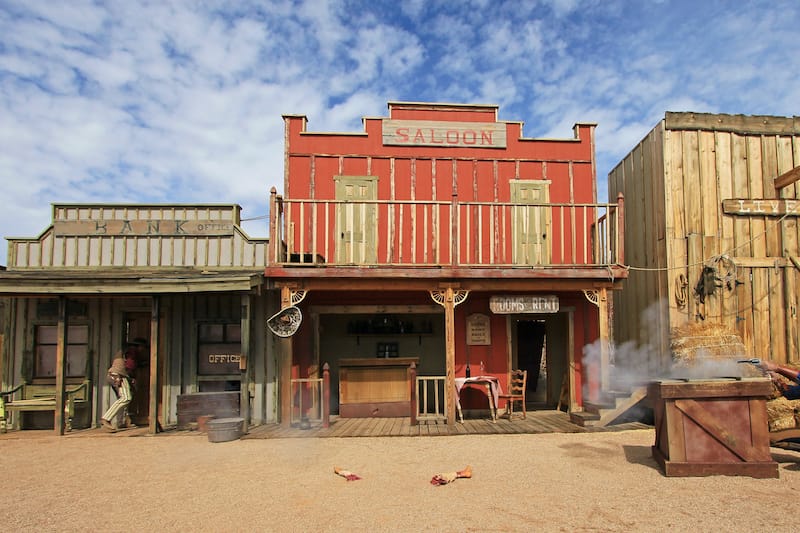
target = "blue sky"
x: 178, y: 102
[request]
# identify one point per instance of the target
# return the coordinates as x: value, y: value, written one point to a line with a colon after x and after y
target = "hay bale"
x: 700, y: 340
x: 704, y: 349
x: 782, y: 413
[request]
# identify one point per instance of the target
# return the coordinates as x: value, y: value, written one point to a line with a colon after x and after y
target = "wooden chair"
x: 518, y: 380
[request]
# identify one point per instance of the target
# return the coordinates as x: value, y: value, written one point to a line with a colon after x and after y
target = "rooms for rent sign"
x: 524, y: 304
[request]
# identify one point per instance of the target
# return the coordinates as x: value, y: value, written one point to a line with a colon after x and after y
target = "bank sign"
x: 444, y: 134
x: 523, y: 304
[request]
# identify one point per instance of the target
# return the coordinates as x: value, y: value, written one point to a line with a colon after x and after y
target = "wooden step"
x: 612, y: 406
x: 622, y: 406
x: 598, y: 407
x: 584, y: 418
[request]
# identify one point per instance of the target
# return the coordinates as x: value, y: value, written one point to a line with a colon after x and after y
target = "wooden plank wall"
x: 637, y: 308
x: 682, y: 181
x: 219, y: 251
x: 181, y: 314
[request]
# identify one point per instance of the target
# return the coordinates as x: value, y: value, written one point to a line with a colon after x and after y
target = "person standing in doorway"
x: 119, y: 378
x: 136, y: 358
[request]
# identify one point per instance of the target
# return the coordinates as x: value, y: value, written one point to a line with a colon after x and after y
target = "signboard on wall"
x: 444, y: 134
x: 219, y: 359
x: 479, y: 332
x: 767, y: 207
x: 142, y: 228
x: 524, y: 304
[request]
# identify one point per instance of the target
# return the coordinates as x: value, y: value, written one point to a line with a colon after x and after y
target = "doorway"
x: 541, y: 346
x: 531, y: 356
x: 136, y: 326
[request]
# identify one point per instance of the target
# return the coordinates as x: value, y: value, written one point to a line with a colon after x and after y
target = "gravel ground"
x: 552, y: 482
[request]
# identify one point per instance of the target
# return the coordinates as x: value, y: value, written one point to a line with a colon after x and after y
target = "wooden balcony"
x: 435, y: 234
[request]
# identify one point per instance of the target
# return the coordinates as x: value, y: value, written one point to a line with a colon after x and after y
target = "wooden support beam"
x: 285, y: 366
x: 61, y: 352
x: 450, y: 356
x: 787, y: 178
x: 245, y: 362
x: 605, y: 346
x: 155, y: 342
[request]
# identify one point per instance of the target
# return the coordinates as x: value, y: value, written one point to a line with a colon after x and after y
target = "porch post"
x: 61, y: 350
x: 285, y: 385
x: 450, y: 357
x: 245, y: 361
x: 155, y: 341
x: 326, y: 395
x: 605, y: 355
x: 274, y: 228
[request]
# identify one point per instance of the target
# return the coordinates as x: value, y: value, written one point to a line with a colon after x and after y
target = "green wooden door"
x: 531, y: 232
x: 356, y: 220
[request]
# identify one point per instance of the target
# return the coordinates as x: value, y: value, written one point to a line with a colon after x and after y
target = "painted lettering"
x: 179, y: 226
x: 126, y: 227
x: 450, y: 133
x: 101, y: 228
x: 223, y: 358
x: 742, y: 208
x: 450, y: 137
x: 153, y: 227
x: 523, y: 304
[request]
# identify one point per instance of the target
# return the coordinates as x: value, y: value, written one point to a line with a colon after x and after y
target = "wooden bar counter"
x: 375, y: 387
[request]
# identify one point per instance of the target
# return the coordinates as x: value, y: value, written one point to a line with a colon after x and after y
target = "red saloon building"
x: 441, y: 236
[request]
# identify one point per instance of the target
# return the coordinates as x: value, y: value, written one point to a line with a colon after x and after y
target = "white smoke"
x: 633, y: 364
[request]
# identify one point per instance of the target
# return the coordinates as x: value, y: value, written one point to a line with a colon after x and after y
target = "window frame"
x: 69, y: 373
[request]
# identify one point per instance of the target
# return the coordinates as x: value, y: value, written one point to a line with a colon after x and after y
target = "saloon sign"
x: 523, y: 304
x: 444, y: 134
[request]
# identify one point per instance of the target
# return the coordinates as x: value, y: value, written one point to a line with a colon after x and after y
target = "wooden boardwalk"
x: 536, y: 422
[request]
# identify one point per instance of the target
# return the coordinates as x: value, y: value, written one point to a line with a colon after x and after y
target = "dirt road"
x: 553, y: 482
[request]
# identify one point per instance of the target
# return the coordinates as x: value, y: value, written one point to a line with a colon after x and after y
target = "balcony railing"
x: 434, y: 233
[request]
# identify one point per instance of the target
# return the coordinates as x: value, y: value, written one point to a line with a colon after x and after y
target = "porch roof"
x: 552, y: 277
x: 125, y: 281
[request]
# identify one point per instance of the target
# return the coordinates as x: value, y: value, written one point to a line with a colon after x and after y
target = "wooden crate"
x: 218, y: 404
x: 712, y: 427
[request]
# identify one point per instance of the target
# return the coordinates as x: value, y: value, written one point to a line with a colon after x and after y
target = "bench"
x: 27, y: 397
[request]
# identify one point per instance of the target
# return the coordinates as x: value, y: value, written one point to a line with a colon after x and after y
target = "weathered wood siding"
x: 675, y: 182
x: 442, y: 203
x: 233, y: 249
x: 181, y: 315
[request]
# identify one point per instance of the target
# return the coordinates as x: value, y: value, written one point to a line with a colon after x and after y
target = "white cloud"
x: 181, y: 101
